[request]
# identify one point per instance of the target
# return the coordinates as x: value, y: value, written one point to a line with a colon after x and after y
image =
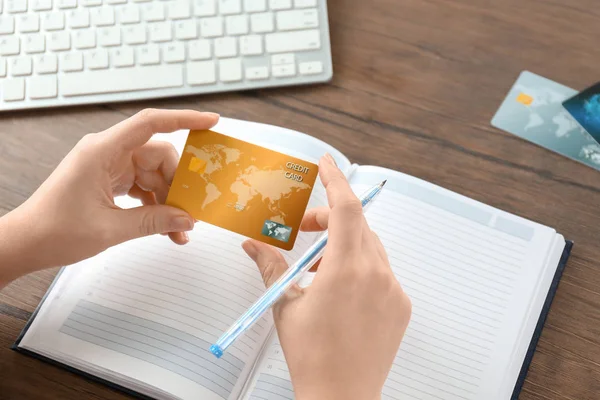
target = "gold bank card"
x: 242, y: 187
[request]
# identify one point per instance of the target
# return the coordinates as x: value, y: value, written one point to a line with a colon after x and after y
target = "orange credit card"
x: 242, y: 187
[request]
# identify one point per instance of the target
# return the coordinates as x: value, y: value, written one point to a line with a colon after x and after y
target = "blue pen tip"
x: 216, y: 350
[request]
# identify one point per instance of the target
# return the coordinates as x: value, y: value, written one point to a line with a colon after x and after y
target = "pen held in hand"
x: 281, y: 285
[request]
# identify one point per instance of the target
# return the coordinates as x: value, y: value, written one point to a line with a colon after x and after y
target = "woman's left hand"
x: 72, y: 216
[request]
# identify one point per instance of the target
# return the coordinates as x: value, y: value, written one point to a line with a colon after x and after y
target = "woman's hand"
x: 72, y: 216
x: 341, y: 334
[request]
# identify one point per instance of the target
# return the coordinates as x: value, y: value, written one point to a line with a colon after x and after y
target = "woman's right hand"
x: 341, y: 334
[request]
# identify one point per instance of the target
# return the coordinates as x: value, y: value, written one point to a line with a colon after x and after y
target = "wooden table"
x: 416, y: 83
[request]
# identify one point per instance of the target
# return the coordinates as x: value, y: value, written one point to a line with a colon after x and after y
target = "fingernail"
x: 182, y: 224
x: 250, y: 249
x: 186, y: 238
x: 214, y: 115
x: 331, y: 160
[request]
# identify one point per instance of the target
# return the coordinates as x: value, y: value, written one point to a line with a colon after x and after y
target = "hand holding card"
x: 245, y: 188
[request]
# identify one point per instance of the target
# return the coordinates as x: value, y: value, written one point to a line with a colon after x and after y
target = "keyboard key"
x: 103, y: 16
x: 160, y: 32
x: 13, y: 89
x: 205, y: 8
x: 211, y: 27
x: 284, y: 71
x: 54, y: 21
x: 21, y: 66
x: 65, y: 4
x: 108, y: 37
x: 122, y: 57
x: 59, y: 41
x: 121, y: 80
x: 96, y: 59
x: 135, y: 34
x: 186, y: 30
x: 29, y: 23
x: 199, y: 50
x: 225, y: 47
x: 34, y: 44
x: 2, y: 67
x: 10, y: 46
x: 174, y: 52
x: 71, y: 62
x: 129, y: 14
x: 282, y: 59
x: 41, y: 5
x: 230, y: 70
x: 251, y: 45
x: 46, y: 64
x: 90, y: 3
x: 79, y: 18
x: 311, y: 68
x: 305, y: 3
x: 16, y: 6
x: 85, y: 39
x: 257, y: 73
x: 293, y: 41
x: 149, y: 55
x: 179, y: 9
x: 237, y: 25
x: 154, y: 12
x: 280, y: 4
x: 262, y: 23
x: 114, y: 2
x: 42, y: 87
x: 227, y: 7
x: 201, y: 73
x: 7, y: 25
x: 251, y: 6
x: 297, y: 19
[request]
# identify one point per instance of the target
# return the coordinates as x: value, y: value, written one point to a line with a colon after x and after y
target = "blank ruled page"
x: 149, y: 308
x: 470, y: 271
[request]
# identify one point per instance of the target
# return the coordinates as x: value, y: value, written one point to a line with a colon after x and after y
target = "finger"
x: 180, y: 238
x: 380, y: 248
x: 137, y: 130
x: 142, y: 221
x: 315, y: 219
x: 153, y: 181
x: 270, y: 262
x: 346, y: 221
x: 157, y: 156
x: 147, y: 198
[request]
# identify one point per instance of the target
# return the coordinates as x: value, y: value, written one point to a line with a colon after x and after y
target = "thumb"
x: 149, y: 220
x: 270, y: 262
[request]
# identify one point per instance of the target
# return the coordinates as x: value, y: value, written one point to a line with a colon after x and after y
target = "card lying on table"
x: 585, y: 108
x: 245, y: 188
x: 533, y: 111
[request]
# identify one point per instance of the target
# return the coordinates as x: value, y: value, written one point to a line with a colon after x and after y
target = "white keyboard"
x: 67, y: 52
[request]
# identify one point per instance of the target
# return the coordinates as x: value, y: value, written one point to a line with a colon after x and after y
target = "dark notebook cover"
x: 515, y: 395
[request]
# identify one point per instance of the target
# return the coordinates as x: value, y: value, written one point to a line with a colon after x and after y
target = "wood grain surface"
x: 416, y: 83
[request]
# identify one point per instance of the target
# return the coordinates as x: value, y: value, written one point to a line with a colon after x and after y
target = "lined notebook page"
x: 470, y: 270
x: 160, y: 306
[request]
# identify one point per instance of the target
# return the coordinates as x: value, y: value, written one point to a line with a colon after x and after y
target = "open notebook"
x: 141, y: 316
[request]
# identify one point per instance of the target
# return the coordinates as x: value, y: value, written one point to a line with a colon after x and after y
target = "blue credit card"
x: 585, y: 108
x: 533, y: 110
